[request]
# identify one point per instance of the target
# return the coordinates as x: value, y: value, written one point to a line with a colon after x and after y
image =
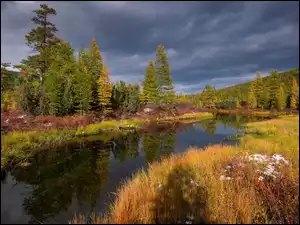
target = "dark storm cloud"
x: 221, y: 43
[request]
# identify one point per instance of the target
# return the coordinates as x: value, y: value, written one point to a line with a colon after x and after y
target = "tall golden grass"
x: 187, y: 188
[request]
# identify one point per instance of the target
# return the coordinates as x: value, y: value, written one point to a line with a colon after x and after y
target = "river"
x: 82, y: 177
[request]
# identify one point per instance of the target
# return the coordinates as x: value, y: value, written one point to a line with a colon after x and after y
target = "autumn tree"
x: 95, y: 67
x: 165, y: 82
x: 104, y: 89
x: 294, y: 102
x: 150, y: 85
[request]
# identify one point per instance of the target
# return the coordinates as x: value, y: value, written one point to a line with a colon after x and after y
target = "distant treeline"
x: 276, y: 91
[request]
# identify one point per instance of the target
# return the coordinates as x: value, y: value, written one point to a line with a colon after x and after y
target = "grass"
x: 187, y: 188
x: 252, y: 112
x: 18, y: 146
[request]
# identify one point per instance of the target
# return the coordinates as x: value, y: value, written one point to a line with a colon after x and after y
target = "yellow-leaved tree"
x: 104, y: 90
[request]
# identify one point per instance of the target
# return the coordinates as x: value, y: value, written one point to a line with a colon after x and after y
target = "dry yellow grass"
x: 187, y: 187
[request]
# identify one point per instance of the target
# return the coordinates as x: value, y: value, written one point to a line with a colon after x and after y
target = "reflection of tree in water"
x: 236, y: 121
x: 57, y: 176
x: 158, y: 145
x: 209, y: 126
x: 150, y: 147
x: 127, y: 145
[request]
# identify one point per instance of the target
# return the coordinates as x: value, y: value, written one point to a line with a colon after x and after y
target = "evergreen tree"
x: 104, y: 89
x: 95, y: 67
x: 294, y: 102
x: 60, y: 79
x: 273, y: 89
x: 252, y: 103
x: 119, y: 94
x: 209, y: 96
x: 150, y: 85
x: 82, y: 84
x: 132, y: 98
x: 165, y: 82
x: 41, y: 39
x: 280, y: 101
x: 258, y: 90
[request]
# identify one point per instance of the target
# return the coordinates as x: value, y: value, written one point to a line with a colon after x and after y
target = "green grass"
x: 187, y: 187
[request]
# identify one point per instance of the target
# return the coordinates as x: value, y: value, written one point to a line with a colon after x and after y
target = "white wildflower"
x: 224, y: 178
x: 188, y: 222
x: 279, y: 158
x: 261, y: 178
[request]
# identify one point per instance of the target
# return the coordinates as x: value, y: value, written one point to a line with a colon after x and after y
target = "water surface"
x: 82, y: 177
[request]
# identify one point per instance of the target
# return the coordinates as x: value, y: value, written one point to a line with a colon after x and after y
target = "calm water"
x: 81, y: 178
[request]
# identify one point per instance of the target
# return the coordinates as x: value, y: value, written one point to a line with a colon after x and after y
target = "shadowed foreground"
x: 256, y: 182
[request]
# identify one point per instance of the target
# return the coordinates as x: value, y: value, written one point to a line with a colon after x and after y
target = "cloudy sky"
x: 218, y: 43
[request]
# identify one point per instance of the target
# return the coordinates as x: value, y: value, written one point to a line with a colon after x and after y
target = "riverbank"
x: 255, y: 182
x: 18, y: 146
x: 254, y: 112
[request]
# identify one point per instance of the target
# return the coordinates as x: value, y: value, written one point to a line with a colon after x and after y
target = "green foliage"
x: 82, y: 84
x: 150, y: 85
x: 252, y: 102
x: 59, y: 81
x: 41, y: 39
x: 273, y: 89
x: 132, y: 99
x: 281, y: 98
x: 294, y: 95
x: 165, y: 82
x: 209, y: 96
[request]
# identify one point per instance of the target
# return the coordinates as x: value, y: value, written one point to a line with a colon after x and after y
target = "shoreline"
x: 241, y: 194
x: 17, y: 145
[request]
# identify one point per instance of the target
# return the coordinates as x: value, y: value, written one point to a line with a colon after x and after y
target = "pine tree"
x: 95, y: 67
x: 280, y: 101
x: 252, y: 103
x: 294, y: 102
x: 165, y: 82
x: 150, y: 85
x: 41, y: 39
x: 258, y: 90
x: 104, y: 89
x: 273, y: 89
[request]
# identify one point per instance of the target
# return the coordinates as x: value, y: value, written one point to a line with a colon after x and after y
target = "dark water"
x: 81, y: 178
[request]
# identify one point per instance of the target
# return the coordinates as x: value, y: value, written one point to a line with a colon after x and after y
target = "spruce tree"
x: 59, y: 80
x: 165, y: 82
x: 294, y: 102
x: 281, y: 98
x: 150, y: 85
x: 95, y: 67
x: 83, y: 84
